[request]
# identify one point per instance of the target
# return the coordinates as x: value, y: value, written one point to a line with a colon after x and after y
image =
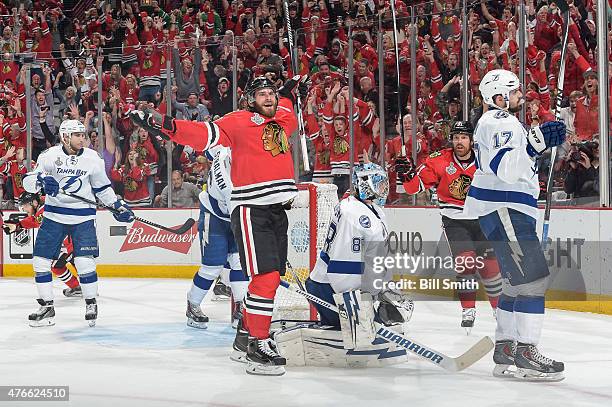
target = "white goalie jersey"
x: 82, y: 174
x: 356, y: 234
x: 506, y: 176
x: 216, y: 198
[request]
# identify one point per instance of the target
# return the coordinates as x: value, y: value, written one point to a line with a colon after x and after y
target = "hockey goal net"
x: 309, y: 218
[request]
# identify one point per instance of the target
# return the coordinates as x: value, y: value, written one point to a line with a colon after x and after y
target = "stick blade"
x: 186, y: 227
x: 473, y: 355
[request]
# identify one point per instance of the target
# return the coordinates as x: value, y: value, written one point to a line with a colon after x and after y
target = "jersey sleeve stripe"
x: 345, y: 267
x: 102, y: 188
x: 494, y: 164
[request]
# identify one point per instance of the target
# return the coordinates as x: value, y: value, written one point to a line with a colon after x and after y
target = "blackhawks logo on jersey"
x: 323, y: 157
x: 341, y: 146
x: 458, y: 189
x: 18, y: 179
x: 275, y: 139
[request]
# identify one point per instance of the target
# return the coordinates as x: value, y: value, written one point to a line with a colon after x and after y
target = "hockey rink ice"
x: 141, y: 353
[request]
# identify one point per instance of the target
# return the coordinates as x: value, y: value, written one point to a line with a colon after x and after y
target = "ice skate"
x: 468, y: 315
x: 533, y: 366
x: 240, y: 345
x: 222, y: 292
x: 503, y: 356
x: 45, y: 316
x: 263, y: 358
x: 91, y: 311
x: 195, y: 316
x: 73, y: 292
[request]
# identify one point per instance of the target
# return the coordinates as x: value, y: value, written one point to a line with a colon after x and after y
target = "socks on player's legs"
x: 202, y: 281
x: 259, y: 303
x: 66, y: 276
x: 239, y: 282
x: 491, y: 279
x: 43, y: 277
x: 529, y: 316
x: 506, y: 324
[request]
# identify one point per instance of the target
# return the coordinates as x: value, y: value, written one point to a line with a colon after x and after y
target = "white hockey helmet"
x: 498, y: 82
x: 68, y: 128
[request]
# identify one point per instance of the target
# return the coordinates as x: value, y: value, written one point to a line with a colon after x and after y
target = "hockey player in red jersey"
x: 33, y: 205
x: 263, y: 178
x: 451, y: 171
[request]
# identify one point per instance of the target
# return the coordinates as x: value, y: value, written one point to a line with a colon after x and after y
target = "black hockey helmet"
x: 261, y: 82
x: 27, y: 198
x: 461, y: 127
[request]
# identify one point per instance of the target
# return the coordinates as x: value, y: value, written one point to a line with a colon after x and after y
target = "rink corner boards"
x: 556, y: 299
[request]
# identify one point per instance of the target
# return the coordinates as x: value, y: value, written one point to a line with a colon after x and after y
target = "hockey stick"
x: 468, y: 358
x: 564, y: 8
x: 397, y: 83
x: 179, y: 231
x: 298, y: 102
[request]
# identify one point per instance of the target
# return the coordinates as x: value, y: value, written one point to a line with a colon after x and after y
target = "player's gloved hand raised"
x: 549, y: 134
x: 405, y: 169
x: 123, y: 212
x: 49, y: 184
x: 153, y: 122
x: 294, y: 88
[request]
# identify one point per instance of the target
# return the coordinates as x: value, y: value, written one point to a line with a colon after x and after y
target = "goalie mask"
x: 68, y: 128
x: 371, y: 182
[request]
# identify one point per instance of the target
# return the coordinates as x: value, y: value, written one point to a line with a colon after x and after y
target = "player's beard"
x: 517, y: 108
x: 266, y: 111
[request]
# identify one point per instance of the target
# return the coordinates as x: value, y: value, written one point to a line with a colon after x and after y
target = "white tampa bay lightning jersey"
x: 356, y: 234
x: 82, y: 174
x: 216, y: 198
x: 506, y: 176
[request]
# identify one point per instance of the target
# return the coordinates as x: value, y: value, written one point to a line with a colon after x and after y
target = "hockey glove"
x: 11, y: 226
x: 124, y: 213
x: 49, y: 184
x: 294, y: 88
x: 153, y: 122
x: 405, y: 169
x: 394, y: 308
x: 549, y: 134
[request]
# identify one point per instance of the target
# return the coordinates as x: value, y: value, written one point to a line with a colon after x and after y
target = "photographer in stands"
x: 582, y: 178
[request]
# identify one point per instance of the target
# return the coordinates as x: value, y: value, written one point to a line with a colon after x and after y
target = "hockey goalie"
x: 343, y: 276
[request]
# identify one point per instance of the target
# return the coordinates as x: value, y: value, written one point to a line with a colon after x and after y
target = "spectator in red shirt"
x: 587, y: 108
x: 537, y: 114
x: 133, y: 176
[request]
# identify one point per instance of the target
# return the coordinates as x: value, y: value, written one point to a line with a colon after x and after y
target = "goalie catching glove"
x: 549, y: 134
x: 153, y: 122
x: 295, y: 87
x: 405, y: 169
x: 394, y: 308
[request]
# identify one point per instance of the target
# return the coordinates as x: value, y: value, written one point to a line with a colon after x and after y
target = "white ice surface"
x: 141, y: 353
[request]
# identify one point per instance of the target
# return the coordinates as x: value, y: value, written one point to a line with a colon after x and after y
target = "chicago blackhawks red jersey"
x: 262, y: 167
x: 451, y: 177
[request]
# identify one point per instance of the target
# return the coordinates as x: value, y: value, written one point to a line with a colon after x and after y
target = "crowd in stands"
x: 125, y: 47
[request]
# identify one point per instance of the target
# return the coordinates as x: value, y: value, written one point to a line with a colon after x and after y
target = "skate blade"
x: 259, y: 369
x: 197, y: 325
x: 91, y: 322
x: 73, y: 295
x: 530, y: 375
x: 504, y: 372
x: 44, y: 322
x: 468, y: 329
x: 220, y: 298
x: 238, y: 356
x: 235, y: 324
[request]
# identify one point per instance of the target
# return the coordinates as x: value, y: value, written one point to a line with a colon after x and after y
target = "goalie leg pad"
x: 311, y: 345
x: 356, y: 313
